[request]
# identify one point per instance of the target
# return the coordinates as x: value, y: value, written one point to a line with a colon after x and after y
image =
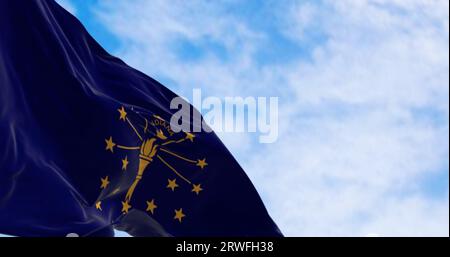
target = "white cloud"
x: 158, y: 26
x: 362, y: 121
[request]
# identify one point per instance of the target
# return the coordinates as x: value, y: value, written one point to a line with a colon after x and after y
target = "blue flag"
x: 86, y: 144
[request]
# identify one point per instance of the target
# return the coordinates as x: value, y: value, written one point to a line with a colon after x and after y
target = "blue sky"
x: 364, y: 99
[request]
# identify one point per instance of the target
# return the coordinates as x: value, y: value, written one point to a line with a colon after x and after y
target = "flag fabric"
x: 86, y: 144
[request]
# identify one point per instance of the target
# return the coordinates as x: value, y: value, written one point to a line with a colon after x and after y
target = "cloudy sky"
x: 364, y: 99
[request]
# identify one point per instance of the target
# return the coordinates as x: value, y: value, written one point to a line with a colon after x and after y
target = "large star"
x: 110, y: 144
x: 125, y: 163
x: 125, y: 207
x: 151, y: 206
x: 172, y: 184
x: 197, y: 188
x: 123, y: 114
x: 179, y: 215
x: 105, y: 182
x: 202, y: 163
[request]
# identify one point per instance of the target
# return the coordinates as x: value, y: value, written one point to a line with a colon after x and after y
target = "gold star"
x: 123, y: 114
x: 151, y: 206
x: 98, y: 205
x: 125, y: 163
x: 172, y: 184
x: 190, y: 136
x: 197, y: 188
x: 179, y: 215
x: 105, y: 182
x: 202, y: 163
x: 125, y: 207
x: 110, y: 144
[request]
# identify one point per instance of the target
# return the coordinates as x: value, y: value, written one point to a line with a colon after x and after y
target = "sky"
x: 363, y: 89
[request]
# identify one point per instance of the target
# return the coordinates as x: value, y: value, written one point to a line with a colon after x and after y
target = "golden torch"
x: 149, y: 149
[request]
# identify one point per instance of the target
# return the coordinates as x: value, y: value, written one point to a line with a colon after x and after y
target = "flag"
x: 87, y: 146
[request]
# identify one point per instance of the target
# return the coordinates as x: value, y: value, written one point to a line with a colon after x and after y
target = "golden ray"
x: 129, y: 147
x: 174, y: 170
x: 135, y: 130
x: 178, y: 156
x: 146, y: 126
x: 173, y: 141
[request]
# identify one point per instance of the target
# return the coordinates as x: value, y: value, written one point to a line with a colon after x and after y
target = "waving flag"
x: 86, y: 144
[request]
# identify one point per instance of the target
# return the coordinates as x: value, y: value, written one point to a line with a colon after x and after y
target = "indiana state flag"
x: 86, y: 146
